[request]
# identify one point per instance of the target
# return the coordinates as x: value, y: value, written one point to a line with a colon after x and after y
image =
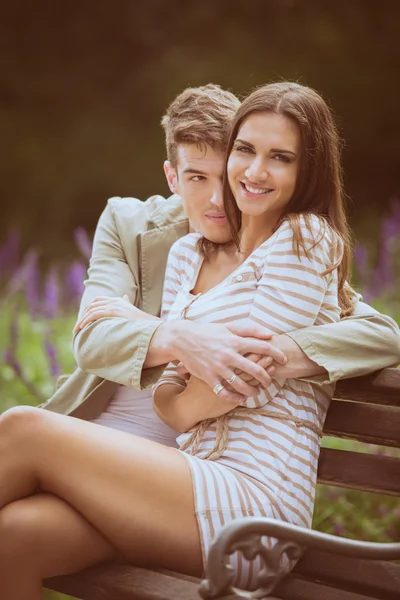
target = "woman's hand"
x: 265, y: 362
x: 103, y: 306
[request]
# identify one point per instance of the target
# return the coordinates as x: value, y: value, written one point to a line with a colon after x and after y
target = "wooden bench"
x: 331, y: 568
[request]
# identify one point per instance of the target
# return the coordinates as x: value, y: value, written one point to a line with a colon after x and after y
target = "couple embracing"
x: 175, y: 425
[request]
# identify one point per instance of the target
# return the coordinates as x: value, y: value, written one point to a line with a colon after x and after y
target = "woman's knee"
x: 48, y: 537
x: 18, y: 421
x: 19, y: 532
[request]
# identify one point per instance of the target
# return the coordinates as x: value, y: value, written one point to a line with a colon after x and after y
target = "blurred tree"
x: 83, y: 87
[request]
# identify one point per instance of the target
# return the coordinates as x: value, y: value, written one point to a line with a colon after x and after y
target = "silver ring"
x: 218, y: 388
x: 232, y: 379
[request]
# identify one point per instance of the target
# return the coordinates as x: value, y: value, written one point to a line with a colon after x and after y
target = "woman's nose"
x: 257, y: 171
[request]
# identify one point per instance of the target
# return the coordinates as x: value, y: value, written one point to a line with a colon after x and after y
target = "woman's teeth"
x: 255, y: 190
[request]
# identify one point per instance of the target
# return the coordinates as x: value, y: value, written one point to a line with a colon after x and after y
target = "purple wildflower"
x: 31, y: 277
x: 74, y: 283
x: 14, y: 330
x: 383, y: 510
x: 51, y: 294
x: 83, y: 242
x: 384, y: 274
x: 52, y: 356
x: 338, y: 528
x: 361, y: 259
x: 11, y: 360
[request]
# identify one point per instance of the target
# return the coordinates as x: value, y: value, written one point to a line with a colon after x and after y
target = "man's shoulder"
x: 154, y: 212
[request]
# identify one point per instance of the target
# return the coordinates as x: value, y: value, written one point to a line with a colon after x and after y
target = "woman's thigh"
x: 47, y: 536
x: 137, y: 493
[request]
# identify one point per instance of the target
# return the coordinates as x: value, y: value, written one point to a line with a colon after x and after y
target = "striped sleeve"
x: 172, y: 284
x: 295, y: 289
x: 173, y: 279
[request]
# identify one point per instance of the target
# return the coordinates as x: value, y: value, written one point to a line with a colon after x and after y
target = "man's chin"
x: 216, y: 237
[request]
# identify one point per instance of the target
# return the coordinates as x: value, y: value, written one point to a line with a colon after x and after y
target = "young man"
x: 130, y: 251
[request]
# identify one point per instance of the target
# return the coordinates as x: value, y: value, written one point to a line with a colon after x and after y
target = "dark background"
x: 83, y: 86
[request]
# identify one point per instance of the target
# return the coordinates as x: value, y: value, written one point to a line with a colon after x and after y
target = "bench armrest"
x: 246, y: 535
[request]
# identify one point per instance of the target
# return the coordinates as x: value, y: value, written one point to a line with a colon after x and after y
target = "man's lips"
x: 218, y: 219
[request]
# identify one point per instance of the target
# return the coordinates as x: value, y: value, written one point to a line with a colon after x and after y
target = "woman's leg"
x: 42, y: 536
x: 137, y: 493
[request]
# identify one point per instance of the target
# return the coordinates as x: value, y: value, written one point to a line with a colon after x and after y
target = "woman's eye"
x: 282, y: 158
x: 243, y: 149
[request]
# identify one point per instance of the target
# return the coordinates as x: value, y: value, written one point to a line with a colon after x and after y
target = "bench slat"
x: 294, y: 588
x: 365, y: 423
x: 132, y: 583
x: 367, y: 472
x: 124, y: 582
x: 380, y: 578
x: 382, y: 387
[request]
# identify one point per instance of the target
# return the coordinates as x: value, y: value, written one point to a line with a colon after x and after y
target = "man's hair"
x: 201, y: 116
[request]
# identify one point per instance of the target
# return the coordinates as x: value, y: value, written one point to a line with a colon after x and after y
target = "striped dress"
x: 269, y: 466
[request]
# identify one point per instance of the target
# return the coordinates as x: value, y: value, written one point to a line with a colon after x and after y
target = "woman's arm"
x: 183, y: 407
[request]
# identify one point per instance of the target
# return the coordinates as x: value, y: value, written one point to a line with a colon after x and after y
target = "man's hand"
x: 215, y: 353
x: 103, y: 306
x: 298, y: 364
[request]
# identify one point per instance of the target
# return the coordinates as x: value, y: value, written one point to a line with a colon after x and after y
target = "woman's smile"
x: 263, y: 164
x: 253, y: 191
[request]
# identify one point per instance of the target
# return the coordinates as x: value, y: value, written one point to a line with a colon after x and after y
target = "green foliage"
x: 31, y: 356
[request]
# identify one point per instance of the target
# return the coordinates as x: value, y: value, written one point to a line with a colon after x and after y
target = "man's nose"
x: 217, y: 197
x: 257, y: 171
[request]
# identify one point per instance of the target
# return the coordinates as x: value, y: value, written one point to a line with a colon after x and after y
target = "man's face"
x: 198, y: 180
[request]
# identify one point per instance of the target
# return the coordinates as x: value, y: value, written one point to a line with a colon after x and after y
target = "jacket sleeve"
x: 114, y: 349
x: 359, y: 344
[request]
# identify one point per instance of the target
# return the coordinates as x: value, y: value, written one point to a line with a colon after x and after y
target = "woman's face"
x: 263, y: 164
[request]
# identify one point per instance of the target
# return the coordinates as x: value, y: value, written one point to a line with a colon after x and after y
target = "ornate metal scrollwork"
x: 246, y: 535
x: 277, y: 562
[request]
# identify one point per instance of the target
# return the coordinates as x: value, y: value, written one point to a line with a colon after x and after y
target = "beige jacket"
x: 130, y: 252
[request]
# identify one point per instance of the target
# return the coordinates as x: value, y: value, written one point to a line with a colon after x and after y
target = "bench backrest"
x: 366, y: 409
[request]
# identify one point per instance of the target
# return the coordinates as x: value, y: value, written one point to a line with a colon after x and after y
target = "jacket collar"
x: 171, y: 224
x: 167, y: 211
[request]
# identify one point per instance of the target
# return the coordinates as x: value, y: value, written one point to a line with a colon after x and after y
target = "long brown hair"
x: 319, y: 186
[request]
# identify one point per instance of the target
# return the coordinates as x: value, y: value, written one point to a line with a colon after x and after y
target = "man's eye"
x: 198, y: 178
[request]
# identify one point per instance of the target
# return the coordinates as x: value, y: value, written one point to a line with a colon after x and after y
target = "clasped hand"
x: 103, y: 306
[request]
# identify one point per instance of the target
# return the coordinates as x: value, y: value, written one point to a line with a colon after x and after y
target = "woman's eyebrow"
x: 273, y: 150
x: 281, y: 151
x: 239, y: 141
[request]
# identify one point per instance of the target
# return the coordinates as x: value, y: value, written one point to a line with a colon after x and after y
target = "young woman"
x: 73, y: 494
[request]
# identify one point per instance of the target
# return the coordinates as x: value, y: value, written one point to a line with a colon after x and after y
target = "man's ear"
x: 172, y: 176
